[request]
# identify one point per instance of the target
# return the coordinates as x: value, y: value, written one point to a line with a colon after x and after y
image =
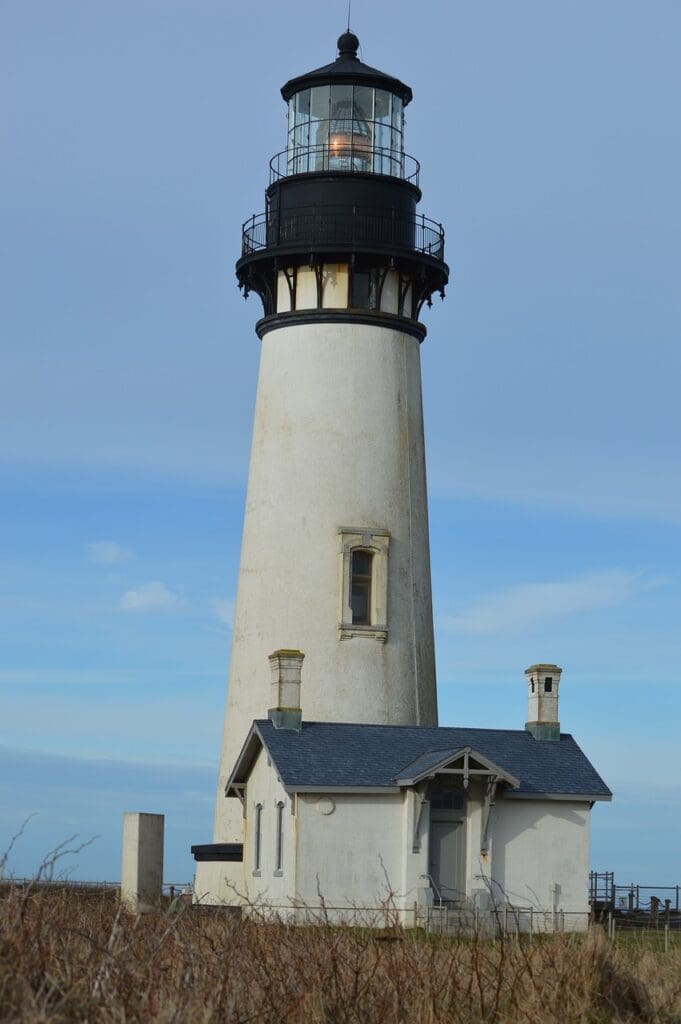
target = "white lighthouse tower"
x: 335, y: 555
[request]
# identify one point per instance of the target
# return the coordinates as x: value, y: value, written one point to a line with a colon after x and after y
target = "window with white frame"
x: 363, y: 585
x: 257, y: 839
x: 279, y: 843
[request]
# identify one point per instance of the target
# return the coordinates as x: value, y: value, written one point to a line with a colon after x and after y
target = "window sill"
x: 256, y: 873
x: 278, y: 874
x: 346, y: 631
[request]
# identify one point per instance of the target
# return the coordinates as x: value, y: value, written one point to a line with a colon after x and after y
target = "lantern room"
x: 340, y: 230
x: 346, y: 116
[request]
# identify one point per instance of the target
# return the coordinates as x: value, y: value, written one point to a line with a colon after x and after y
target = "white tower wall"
x: 337, y: 442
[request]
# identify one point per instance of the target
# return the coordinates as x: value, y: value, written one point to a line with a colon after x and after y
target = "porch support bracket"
x: 488, y: 804
x: 418, y: 818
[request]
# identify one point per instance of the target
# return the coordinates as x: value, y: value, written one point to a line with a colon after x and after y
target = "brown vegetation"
x: 68, y: 956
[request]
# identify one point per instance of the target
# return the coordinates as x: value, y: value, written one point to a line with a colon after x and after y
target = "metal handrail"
x: 434, y: 887
x: 342, y: 225
x: 356, y: 157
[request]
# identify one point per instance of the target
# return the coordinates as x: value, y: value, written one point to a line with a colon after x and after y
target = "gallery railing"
x: 350, y: 153
x: 345, y: 226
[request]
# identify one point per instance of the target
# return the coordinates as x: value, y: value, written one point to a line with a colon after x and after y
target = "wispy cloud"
x: 524, y: 605
x: 107, y: 552
x: 223, y: 607
x: 150, y: 597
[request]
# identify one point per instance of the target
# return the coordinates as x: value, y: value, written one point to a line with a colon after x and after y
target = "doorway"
x: 447, y: 843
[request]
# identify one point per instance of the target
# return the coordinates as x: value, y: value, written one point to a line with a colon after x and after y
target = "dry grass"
x: 69, y: 956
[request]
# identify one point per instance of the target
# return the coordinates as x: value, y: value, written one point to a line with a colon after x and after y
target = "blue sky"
x: 135, y: 140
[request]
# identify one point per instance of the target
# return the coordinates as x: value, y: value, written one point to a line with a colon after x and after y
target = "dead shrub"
x: 68, y: 955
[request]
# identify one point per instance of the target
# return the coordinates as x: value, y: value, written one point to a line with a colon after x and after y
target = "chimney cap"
x: 544, y: 667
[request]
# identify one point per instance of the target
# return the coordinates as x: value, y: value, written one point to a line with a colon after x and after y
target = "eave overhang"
x: 576, y: 797
x: 244, y: 762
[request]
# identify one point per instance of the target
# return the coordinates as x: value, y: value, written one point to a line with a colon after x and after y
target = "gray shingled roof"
x: 335, y: 755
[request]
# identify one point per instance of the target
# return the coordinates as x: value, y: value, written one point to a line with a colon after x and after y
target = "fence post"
x: 666, y: 937
x: 531, y: 922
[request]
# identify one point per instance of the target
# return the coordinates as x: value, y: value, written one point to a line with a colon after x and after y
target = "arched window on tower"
x: 363, y: 579
x: 360, y: 587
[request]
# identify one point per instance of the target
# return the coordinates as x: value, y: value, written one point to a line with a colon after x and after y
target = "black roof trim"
x: 347, y: 69
x: 341, y: 316
x: 219, y: 852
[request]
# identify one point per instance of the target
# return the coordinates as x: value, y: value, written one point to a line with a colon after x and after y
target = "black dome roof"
x: 347, y: 69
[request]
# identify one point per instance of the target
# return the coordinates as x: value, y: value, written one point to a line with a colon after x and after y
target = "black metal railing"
x: 345, y: 226
x: 632, y: 898
x: 354, y: 154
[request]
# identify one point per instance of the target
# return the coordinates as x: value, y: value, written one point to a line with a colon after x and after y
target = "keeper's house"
x: 358, y: 815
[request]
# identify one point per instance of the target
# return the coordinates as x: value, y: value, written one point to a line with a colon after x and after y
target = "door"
x: 448, y: 858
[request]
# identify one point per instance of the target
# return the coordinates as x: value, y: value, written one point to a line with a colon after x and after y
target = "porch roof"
x: 335, y: 755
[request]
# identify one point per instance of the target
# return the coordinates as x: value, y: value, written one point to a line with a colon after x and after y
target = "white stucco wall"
x: 538, y: 845
x: 353, y: 855
x: 337, y: 441
x: 236, y: 883
x: 269, y: 885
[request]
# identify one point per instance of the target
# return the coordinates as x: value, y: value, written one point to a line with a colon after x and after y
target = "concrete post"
x: 142, y: 861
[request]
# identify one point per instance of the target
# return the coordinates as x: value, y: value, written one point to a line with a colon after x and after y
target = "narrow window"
x: 548, y: 684
x: 257, y: 838
x: 360, y: 588
x: 532, y: 684
x: 279, y: 859
x: 363, y: 289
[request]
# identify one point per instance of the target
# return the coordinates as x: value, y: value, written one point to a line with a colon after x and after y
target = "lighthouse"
x: 335, y: 551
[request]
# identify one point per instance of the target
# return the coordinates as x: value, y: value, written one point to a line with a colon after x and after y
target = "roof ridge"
x: 432, y: 728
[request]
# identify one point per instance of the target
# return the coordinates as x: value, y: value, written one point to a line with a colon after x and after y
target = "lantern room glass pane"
x: 319, y: 103
x: 363, y: 103
x: 383, y: 140
x: 349, y: 134
x: 299, y: 133
x: 383, y: 105
x: 345, y: 127
x: 303, y: 105
x: 319, y: 127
